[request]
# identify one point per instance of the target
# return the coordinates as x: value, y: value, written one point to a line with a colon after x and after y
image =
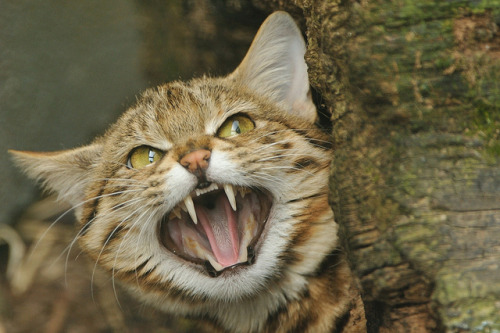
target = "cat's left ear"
x: 66, y: 172
x: 275, y: 66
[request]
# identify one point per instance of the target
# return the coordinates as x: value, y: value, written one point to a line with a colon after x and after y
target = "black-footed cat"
x: 209, y: 198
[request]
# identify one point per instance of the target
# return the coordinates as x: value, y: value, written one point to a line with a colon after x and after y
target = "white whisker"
x: 124, y: 237
x: 69, y: 210
x: 273, y: 157
x: 286, y: 168
x: 103, y: 214
x: 106, y: 243
x: 270, y: 145
x: 143, y: 227
x: 272, y: 179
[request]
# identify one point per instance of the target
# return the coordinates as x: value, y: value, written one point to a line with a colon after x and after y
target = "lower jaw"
x: 215, y: 273
x: 215, y: 269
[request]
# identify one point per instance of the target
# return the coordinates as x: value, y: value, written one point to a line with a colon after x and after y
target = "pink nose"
x: 196, y: 161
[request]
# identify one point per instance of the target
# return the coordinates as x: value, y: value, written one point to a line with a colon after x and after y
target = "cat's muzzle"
x: 217, y: 227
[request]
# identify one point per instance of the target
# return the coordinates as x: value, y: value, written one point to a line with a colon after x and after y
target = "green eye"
x: 235, y: 125
x: 143, y: 156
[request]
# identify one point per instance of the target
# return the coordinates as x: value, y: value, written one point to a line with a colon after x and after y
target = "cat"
x: 209, y: 198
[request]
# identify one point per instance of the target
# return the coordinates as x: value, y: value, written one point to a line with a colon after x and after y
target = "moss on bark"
x: 413, y: 88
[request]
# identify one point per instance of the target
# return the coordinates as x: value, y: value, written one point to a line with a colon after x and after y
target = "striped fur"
x: 299, y: 281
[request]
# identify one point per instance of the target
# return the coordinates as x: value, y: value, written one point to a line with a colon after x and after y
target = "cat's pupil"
x: 235, y: 128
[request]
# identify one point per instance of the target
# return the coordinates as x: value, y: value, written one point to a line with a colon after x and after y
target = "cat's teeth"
x: 193, y: 247
x: 249, y: 232
x: 211, y: 188
x: 188, y: 201
x: 242, y: 192
x: 228, y: 188
x: 177, y: 212
x: 215, y: 264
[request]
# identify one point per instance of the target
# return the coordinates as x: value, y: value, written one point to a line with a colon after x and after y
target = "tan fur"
x: 299, y: 281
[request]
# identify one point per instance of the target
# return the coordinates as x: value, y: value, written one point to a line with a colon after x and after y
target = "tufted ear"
x: 275, y: 66
x: 66, y: 172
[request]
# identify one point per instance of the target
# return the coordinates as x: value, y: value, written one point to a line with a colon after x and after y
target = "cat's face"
x: 208, y: 191
x: 256, y: 167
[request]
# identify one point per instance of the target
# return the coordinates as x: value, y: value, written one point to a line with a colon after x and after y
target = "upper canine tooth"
x: 190, y: 208
x: 183, y: 206
x: 228, y: 188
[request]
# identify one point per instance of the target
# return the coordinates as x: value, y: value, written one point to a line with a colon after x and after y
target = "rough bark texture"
x: 413, y: 90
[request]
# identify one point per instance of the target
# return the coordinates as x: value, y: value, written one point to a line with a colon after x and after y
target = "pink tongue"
x: 221, y: 228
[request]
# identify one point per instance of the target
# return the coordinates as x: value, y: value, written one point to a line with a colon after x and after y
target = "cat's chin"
x: 217, y: 227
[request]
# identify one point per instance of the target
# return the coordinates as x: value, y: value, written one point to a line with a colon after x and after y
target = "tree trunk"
x: 413, y: 89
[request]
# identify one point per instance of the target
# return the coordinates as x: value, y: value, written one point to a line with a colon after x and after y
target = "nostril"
x: 196, y: 160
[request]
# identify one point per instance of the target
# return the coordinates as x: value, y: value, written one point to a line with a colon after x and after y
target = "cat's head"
x: 214, y: 189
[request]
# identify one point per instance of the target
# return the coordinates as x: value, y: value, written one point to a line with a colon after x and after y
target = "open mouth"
x: 217, y: 227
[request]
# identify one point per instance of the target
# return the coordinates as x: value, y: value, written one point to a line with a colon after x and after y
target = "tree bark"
x: 413, y: 89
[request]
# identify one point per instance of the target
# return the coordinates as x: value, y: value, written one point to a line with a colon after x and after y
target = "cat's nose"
x: 196, y: 161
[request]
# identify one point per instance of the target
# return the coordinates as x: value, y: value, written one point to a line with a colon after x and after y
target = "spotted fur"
x: 298, y: 281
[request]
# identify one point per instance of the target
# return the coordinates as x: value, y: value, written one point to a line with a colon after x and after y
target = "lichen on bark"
x: 413, y: 90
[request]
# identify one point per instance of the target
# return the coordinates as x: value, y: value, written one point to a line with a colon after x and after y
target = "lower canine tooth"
x: 177, y: 212
x: 215, y: 264
x: 190, y: 208
x: 228, y: 188
x: 243, y: 192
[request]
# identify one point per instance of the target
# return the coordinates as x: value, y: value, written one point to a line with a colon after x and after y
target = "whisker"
x: 131, y: 180
x: 68, y: 248
x: 142, y: 229
x: 285, y: 130
x: 271, y: 179
x: 293, y: 130
x: 286, y: 167
x: 106, y: 243
x: 279, y: 156
x: 127, y: 185
x: 270, y: 145
x: 69, y: 210
x: 114, y: 178
x: 278, y: 181
x: 137, y: 220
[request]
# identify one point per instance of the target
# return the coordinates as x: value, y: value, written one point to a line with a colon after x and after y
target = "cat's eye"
x: 235, y: 125
x: 143, y: 156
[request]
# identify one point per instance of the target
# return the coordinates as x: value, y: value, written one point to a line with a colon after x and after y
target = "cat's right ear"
x: 274, y: 66
x: 65, y: 172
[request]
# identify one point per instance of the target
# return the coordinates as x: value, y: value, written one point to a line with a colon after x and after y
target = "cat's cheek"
x: 223, y: 171
x: 179, y: 183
